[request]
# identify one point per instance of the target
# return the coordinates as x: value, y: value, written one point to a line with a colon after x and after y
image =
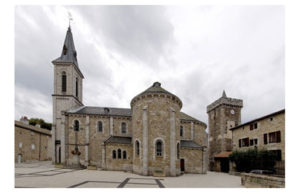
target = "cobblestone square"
x: 44, y: 175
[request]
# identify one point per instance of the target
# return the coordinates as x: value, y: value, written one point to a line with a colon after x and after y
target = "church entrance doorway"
x: 225, y: 165
x: 182, y: 165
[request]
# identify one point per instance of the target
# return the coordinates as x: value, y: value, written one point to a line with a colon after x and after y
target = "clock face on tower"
x: 232, y: 111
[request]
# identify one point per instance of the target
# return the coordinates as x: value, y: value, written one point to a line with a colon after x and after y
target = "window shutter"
x: 247, y: 142
x: 251, y: 126
x: 278, y: 136
x: 240, y: 143
x: 265, y: 138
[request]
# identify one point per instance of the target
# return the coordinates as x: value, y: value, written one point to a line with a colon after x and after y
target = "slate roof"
x: 118, y: 139
x: 68, y: 54
x: 156, y: 88
x: 189, y: 144
x: 117, y: 112
x: 101, y: 111
x: 186, y: 117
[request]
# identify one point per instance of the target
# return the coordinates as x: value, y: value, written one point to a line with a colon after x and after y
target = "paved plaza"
x: 44, y: 175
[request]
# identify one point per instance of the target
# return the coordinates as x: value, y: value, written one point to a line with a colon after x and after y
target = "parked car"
x: 262, y: 171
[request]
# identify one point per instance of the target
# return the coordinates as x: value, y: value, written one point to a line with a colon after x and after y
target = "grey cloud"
x: 141, y: 32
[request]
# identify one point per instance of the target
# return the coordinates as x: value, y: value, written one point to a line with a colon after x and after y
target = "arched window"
x: 178, y: 147
x: 137, y: 147
x: 76, y: 125
x: 181, y: 131
x: 100, y: 129
x: 159, y: 148
x: 64, y: 82
x: 124, y: 155
x: 114, y: 154
x: 119, y: 154
x: 123, y: 127
x: 76, y: 89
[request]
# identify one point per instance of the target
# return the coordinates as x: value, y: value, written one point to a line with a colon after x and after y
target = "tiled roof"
x: 101, y: 111
x: 118, y: 139
x: 258, y: 119
x: 223, y: 154
x: 189, y: 144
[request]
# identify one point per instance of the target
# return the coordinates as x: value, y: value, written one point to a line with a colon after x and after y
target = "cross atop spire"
x: 224, y: 94
x: 70, y: 18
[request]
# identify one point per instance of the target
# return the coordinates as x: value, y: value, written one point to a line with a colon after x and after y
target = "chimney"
x: 25, y: 120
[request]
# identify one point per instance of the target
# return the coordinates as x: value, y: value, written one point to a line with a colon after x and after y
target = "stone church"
x: 152, y: 137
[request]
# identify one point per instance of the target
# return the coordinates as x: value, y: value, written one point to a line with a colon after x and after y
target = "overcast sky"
x: 194, y: 51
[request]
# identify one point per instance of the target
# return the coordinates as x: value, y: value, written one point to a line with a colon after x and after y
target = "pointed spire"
x: 224, y: 94
x: 68, y: 53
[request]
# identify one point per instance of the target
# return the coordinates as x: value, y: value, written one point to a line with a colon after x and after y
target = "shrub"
x: 253, y: 159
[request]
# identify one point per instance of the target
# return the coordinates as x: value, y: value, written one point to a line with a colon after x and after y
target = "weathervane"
x: 70, y: 18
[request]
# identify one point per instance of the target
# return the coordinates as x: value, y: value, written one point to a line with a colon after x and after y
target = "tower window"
x: 76, y: 90
x: 65, y: 50
x: 119, y: 154
x: 76, y: 125
x: 181, y: 131
x: 63, y: 82
x: 137, y: 147
x: 159, y: 148
x: 123, y: 127
x: 114, y: 154
x: 100, y: 129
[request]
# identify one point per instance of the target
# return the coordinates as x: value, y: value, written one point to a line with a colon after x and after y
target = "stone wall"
x: 152, y: 114
x: 261, y: 181
x: 221, y: 118
x: 119, y: 164
x: 193, y: 159
x: 32, y: 143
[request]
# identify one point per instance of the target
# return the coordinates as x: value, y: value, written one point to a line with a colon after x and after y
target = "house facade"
x: 267, y: 132
x: 31, y: 142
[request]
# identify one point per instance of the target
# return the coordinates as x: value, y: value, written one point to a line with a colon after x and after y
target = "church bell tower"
x: 67, y: 93
x: 223, y: 114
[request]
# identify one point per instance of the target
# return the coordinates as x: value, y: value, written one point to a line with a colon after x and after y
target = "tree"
x: 253, y: 159
x: 41, y: 122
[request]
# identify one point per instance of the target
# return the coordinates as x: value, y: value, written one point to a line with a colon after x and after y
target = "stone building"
x: 153, y: 137
x: 266, y: 132
x: 31, y: 142
x: 223, y: 114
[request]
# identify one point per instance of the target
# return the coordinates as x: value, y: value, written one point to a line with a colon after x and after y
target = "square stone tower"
x: 223, y: 114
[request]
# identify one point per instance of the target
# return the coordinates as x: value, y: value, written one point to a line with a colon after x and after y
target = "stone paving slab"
x: 44, y: 175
